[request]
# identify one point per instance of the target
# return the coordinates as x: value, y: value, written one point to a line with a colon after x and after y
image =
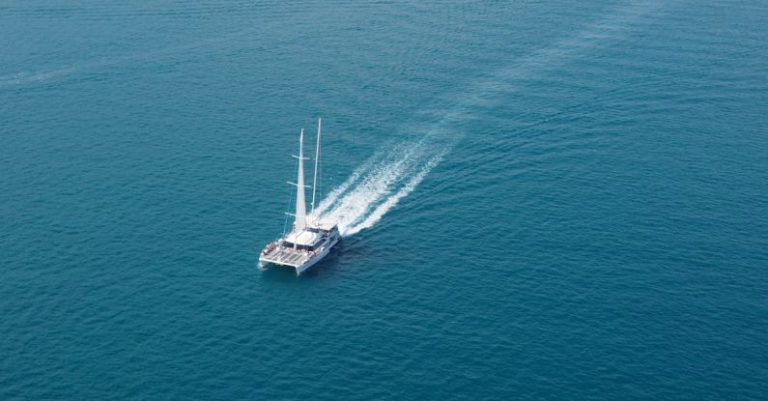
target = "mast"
x: 301, y: 206
x: 317, y: 160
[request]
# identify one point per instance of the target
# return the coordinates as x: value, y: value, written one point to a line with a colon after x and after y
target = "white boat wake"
x: 377, y: 187
x: 374, y: 189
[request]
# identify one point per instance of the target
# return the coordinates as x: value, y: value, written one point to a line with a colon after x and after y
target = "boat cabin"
x: 305, y: 240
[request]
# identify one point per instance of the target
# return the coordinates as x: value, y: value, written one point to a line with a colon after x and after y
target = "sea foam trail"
x: 374, y: 189
x: 26, y: 78
x: 393, y: 200
x: 333, y: 196
x: 350, y: 205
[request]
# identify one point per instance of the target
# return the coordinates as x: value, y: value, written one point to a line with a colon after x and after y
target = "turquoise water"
x: 549, y: 200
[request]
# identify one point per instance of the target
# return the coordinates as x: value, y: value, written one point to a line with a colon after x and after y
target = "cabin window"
x: 299, y: 247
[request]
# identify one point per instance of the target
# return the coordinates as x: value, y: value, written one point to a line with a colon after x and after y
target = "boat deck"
x: 285, y: 256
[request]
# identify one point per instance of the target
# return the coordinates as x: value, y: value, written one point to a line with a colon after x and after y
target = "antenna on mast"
x: 317, y: 160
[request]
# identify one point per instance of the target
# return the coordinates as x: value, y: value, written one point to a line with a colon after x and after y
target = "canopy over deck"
x: 303, y: 237
x: 326, y: 225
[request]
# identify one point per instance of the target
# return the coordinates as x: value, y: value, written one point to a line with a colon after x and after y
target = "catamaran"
x: 310, y: 239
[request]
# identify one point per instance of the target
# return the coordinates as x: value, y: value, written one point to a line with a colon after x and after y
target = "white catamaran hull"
x: 313, y: 261
x: 265, y: 262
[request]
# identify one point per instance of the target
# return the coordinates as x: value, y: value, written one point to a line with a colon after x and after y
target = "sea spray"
x: 381, y: 180
x: 333, y: 196
x: 393, y: 200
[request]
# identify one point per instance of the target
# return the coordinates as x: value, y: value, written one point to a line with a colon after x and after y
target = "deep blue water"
x: 554, y: 200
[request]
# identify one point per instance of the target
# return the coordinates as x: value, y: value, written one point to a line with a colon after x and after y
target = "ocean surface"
x: 541, y: 200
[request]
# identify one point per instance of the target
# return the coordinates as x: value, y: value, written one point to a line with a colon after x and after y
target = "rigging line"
x: 285, y: 224
x: 318, y: 171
